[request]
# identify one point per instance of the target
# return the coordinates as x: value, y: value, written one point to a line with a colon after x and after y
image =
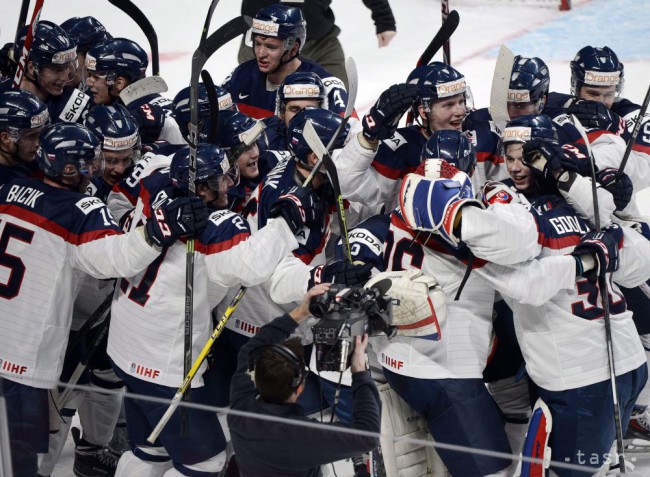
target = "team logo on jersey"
x: 88, y: 204
x: 12, y: 368
x: 144, y: 371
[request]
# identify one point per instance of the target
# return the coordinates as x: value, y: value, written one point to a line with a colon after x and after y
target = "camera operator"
x: 266, y: 448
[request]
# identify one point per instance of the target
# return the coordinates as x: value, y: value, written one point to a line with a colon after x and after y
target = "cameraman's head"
x: 280, y: 372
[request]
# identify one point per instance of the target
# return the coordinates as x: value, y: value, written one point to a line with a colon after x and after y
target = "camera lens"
x: 319, y: 305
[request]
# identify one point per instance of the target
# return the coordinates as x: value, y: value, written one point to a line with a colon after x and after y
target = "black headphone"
x: 297, y: 364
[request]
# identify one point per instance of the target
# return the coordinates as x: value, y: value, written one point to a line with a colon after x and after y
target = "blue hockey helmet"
x: 524, y: 128
x: 283, y: 22
x: 115, y: 128
x: 117, y: 57
x: 325, y: 123
x: 452, y: 146
x: 233, y: 125
x: 529, y: 82
x: 182, y: 114
x: 21, y: 110
x: 212, y: 168
x: 51, y: 46
x: 596, y: 66
x: 440, y: 81
x: 86, y: 32
x: 66, y: 144
x: 300, y: 85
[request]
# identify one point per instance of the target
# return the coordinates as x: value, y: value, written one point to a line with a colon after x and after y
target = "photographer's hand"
x: 302, y: 311
x: 358, y: 361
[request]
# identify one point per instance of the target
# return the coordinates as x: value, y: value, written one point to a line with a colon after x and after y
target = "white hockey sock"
x: 209, y: 467
x: 98, y: 413
x: 55, y: 447
x: 644, y: 397
x: 130, y: 465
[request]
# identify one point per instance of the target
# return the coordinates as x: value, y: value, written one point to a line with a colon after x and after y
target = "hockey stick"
x: 443, y: 35
x: 22, y: 16
x: 213, y: 101
x: 147, y: 28
x: 195, y: 367
x: 316, y: 145
x: 92, y: 320
x: 500, y: 85
x: 142, y: 88
x: 83, y: 364
x: 206, y: 48
x: 353, y: 81
x: 22, y: 61
x: 208, y: 19
x: 635, y: 133
x: 446, y: 54
x: 604, y: 295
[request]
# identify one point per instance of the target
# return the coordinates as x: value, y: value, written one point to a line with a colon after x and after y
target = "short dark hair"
x: 275, y: 374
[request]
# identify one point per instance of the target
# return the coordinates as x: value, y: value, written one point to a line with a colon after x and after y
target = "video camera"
x: 346, y: 312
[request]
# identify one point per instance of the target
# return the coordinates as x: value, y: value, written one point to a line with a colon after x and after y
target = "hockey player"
x: 22, y: 118
x: 297, y: 91
x: 86, y: 32
x: 278, y: 34
x: 61, y: 234
x: 150, y: 361
x: 50, y: 71
x: 571, y: 384
x: 98, y: 412
x: 118, y: 63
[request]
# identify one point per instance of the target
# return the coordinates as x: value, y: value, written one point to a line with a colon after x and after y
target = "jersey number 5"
x: 11, y: 288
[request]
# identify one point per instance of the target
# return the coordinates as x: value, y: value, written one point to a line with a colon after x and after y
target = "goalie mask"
x: 419, y: 305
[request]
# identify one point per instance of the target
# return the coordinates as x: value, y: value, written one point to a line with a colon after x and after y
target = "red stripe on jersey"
x: 146, y: 201
x: 52, y: 227
x: 482, y: 156
x: 391, y: 172
x: 222, y: 246
x: 641, y: 148
x: 118, y: 189
x: 254, y: 111
x: 558, y: 243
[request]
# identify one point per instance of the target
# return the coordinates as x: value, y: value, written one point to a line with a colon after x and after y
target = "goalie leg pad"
x: 401, y: 458
x: 459, y: 412
x: 536, y: 442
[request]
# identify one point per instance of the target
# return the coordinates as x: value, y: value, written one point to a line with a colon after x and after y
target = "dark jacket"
x: 320, y: 18
x: 272, y: 449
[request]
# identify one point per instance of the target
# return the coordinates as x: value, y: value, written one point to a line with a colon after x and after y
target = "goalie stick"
x: 29, y: 38
x: 604, y: 295
x: 635, y: 133
x: 500, y: 85
x: 147, y: 28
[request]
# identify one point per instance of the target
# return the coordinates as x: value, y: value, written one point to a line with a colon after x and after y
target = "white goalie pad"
x: 419, y: 305
x: 402, y: 458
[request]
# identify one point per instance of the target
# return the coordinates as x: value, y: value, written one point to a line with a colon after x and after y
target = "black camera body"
x: 346, y: 312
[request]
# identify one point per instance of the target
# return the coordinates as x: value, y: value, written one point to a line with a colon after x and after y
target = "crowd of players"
x: 500, y: 215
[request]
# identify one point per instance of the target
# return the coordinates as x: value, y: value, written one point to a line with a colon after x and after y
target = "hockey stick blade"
x: 446, y: 48
x: 353, y: 80
x: 208, y: 20
x: 441, y: 37
x: 324, y: 157
x: 635, y: 133
x: 231, y: 30
x: 27, y: 45
x: 147, y: 28
x: 197, y: 364
x: 500, y: 85
x: 142, y: 88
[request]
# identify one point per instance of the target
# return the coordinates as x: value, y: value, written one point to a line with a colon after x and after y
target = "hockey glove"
x: 150, y: 119
x: 620, y: 189
x: 382, y: 119
x: 181, y: 217
x: 434, y: 205
x: 299, y: 207
x: 548, y: 159
x: 595, y: 115
x: 603, y: 248
x: 342, y: 272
